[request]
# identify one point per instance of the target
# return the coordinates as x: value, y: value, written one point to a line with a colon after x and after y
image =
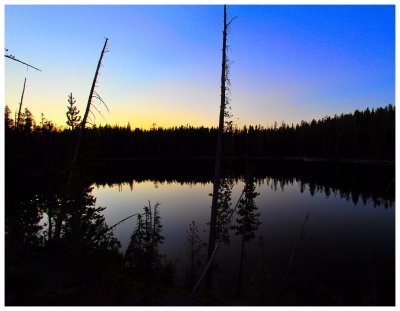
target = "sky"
x: 290, y: 62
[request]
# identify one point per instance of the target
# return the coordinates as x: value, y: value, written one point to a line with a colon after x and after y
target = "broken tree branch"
x: 17, y: 60
x: 98, y: 237
x: 93, y: 106
x: 227, y: 25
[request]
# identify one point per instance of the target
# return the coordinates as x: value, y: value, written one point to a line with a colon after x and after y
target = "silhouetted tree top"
x: 73, y: 117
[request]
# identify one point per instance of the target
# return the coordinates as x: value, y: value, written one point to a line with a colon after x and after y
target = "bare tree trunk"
x: 217, y: 172
x: 20, y: 104
x: 60, y: 218
x: 83, y: 124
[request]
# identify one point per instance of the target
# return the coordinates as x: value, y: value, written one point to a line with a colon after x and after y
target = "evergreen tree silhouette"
x: 73, y: 117
x: 247, y: 222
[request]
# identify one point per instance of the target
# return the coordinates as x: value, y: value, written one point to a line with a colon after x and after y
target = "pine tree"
x: 72, y: 113
x: 195, y: 249
x: 247, y: 223
x: 8, y: 122
x: 224, y: 209
x: 142, y: 253
x: 27, y: 117
x: 247, y: 210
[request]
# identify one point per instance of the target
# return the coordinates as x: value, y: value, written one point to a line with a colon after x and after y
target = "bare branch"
x: 98, y: 112
x: 112, y: 227
x: 92, y: 114
x: 227, y: 25
x: 96, y: 95
x: 17, y: 60
x: 94, y: 117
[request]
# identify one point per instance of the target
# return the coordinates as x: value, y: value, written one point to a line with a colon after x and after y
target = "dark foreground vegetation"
x: 82, y: 266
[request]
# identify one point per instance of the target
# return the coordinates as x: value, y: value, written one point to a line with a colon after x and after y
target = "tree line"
x: 367, y: 134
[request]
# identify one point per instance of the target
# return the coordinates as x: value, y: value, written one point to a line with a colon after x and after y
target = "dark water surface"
x: 342, y: 254
x: 346, y: 252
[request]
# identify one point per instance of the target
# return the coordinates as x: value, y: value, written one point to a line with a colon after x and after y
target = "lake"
x: 343, y: 253
x: 325, y: 233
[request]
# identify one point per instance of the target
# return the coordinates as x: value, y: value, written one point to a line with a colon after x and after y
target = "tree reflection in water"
x: 85, y: 262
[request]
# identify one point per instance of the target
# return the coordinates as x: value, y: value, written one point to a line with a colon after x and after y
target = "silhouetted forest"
x: 367, y: 135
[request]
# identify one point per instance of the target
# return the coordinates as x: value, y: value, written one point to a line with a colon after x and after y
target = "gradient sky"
x: 291, y: 63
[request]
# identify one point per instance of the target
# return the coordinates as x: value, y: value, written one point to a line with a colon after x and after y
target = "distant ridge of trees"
x: 367, y: 134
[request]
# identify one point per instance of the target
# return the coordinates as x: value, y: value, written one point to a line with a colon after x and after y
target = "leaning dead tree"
x: 218, y: 158
x: 89, y: 106
x: 92, y: 94
x: 20, y: 105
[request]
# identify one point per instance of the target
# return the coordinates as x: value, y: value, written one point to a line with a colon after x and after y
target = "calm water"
x: 347, y: 252
x: 345, y: 256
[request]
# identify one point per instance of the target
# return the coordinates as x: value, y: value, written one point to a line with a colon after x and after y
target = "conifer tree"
x: 142, y: 253
x: 27, y: 117
x: 247, y: 223
x: 8, y: 122
x: 73, y: 117
x: 195, y: 249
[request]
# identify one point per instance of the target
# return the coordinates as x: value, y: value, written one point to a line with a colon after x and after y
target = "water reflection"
x: 196, y: 256
x: 347, y: 256
x: 247, y: 222
x: 341, y: 237
x: 356, y: 182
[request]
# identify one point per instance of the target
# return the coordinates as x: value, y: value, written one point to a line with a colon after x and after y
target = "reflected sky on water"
x: 340, y: 237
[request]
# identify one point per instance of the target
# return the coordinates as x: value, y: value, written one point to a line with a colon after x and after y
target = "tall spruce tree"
x: 247, y: 222
x: 73, y: 117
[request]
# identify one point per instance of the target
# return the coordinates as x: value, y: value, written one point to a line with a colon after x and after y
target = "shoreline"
x: 293, y: 159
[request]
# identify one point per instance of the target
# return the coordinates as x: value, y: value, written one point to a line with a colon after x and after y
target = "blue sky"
x: 291, y: 63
